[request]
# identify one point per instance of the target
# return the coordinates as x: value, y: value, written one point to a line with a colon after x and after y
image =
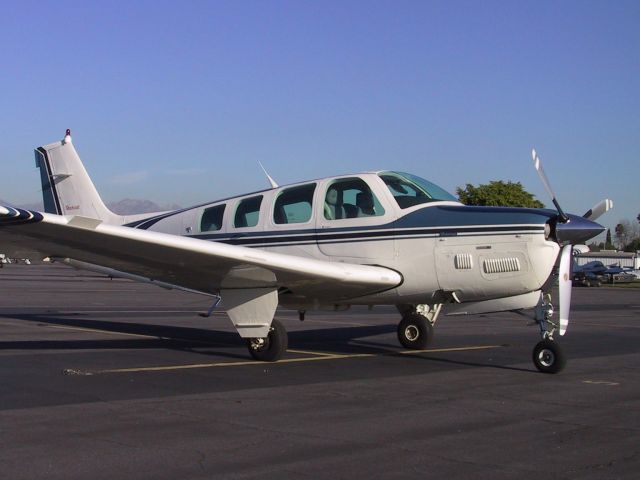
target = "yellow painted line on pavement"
x: 221, y: 364
x: 319, y: 356
x: 308, y: 352
x: 139, y: 335
x: 95, y: 330
x: 590, y: 324
x: 600, y: 382
x: 455, y: 349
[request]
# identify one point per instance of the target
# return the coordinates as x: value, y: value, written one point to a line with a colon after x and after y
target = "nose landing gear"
x: 548, y: 356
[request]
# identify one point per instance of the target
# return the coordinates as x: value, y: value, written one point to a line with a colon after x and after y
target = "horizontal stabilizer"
x: 84, y: 222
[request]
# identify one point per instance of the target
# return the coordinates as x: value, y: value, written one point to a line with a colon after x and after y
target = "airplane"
x: 375, y: 238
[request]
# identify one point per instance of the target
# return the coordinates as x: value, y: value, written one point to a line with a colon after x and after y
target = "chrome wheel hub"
x: 546, y: 357
x: 412, y: 333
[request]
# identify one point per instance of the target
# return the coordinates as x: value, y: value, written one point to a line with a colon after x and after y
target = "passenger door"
x: 354, y: 220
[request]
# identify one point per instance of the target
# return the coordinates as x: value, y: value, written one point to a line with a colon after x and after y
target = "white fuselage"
x: 440, y: 248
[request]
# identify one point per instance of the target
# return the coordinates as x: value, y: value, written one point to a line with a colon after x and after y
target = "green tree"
x: 621, y: 235
x: 630, y: 235
x: 498, y: 194
x: 633, y: 246
x: 596, y: 247
x: 608, y: 245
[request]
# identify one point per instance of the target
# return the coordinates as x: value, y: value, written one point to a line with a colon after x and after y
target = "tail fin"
x: 66, y: 186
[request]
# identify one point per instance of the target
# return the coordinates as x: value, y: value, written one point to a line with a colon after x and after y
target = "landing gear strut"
x: 272, y: 347
x: 548, y: 357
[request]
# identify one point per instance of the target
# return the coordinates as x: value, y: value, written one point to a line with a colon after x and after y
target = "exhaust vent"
x: 501, y: 265
x: 463, y: 261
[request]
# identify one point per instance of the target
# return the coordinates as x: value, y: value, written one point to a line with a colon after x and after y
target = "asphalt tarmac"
x: 111, y: 379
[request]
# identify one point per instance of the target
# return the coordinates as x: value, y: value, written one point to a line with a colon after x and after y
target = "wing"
x: 186, y: 262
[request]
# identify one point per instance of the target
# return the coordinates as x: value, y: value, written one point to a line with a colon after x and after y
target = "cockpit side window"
x: 293, y: 205
x: 351, y: 198
x: 409, y: 190
x: 211, y: 219
x: 248, y: 212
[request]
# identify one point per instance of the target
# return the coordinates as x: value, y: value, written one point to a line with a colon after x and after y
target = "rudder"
x: 67, y: 188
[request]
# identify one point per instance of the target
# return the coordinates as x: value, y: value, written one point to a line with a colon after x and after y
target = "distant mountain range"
x: 128, y: 206
x: 131, y: 206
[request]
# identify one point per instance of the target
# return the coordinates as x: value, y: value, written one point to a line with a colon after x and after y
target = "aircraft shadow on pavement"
x: 151, y: 336
x: 337, y: 340
x: 196, y: 340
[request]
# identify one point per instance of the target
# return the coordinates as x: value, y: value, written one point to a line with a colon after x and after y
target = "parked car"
x: 631, y: 271
x: 621, y: 277
x: 587, y: 279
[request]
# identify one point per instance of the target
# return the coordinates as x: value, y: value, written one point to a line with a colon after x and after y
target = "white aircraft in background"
x: 379, y: 238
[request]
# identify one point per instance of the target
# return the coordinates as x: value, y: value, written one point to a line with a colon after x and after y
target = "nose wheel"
x: 272, y: 347
x: 548, y: 357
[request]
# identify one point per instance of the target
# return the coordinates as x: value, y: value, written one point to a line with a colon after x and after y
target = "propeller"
x: 565, y: 284
x: 564, y: 274
x: 562, y: 217
x: 598, y: 209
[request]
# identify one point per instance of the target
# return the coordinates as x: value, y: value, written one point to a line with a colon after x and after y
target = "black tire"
x: 548, y: 357
x: 415, y: 332
x: 271, y: 348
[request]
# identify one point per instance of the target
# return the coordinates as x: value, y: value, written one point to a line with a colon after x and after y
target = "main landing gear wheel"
x: 415, y: 332
x: 272, y: 347
x: 548, y: 357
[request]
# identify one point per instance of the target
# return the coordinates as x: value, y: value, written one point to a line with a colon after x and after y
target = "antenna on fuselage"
x: 272, y: 182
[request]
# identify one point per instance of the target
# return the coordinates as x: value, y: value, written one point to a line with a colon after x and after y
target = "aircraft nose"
x: 577, y: 230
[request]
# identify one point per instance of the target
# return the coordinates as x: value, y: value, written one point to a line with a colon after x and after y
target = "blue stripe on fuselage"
x: 455, y: 215
x: 432, y: 221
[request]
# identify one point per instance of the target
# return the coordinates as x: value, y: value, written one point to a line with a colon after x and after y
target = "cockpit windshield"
x: 409, y: 190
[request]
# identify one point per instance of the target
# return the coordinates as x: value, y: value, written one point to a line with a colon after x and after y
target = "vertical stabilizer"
x: 66, y: 186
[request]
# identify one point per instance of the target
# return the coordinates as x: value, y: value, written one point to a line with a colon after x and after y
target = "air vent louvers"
x: 501, y: 265
x: 463, y: 261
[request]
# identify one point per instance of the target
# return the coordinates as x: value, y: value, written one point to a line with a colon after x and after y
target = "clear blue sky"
x: 177, y: 101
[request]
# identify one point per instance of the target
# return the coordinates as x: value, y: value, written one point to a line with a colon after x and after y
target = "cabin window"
x: 293, y: 205
x: 409, y: 190
x: 351, y: 198
x: 248, y: 212
x: 211, y: 219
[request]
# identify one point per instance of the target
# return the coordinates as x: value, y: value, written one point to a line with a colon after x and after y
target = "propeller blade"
x: 598, y: 209
x: 565, y: 284
x: 545, y: 181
